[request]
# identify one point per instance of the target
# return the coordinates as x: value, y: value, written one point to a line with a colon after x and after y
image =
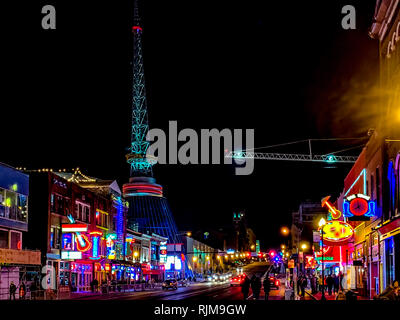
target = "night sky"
x: 287, y: 70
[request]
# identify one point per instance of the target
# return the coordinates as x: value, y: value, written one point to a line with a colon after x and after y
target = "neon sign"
x: 71, y: 255
x: 337, y: 233
x: 110, y: 243
x: 73, y: 227
x: 335, y: 213
x: 358, y: 206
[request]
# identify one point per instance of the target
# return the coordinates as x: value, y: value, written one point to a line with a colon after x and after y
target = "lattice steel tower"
x: 149, y: 211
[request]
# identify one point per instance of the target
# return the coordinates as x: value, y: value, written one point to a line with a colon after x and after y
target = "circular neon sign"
x: 358, y: 206
x: 337, y: 233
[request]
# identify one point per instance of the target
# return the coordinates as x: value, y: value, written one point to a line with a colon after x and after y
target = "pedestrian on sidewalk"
x: 303, y: 286
x: 13, y: 289
x: 320, y: 285
x: 256, y: 287
x: 329, y: 282
x: 245, y: 287
x: 341, y: 276
x: 267, y: 286
x: 299, y: 284
x: 22, y: 291
x: 336, y: 283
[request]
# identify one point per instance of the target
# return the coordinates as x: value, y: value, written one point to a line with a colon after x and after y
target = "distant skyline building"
x: 149, y: 211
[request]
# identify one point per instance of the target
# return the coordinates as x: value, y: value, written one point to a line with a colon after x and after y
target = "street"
x: 198, y: 291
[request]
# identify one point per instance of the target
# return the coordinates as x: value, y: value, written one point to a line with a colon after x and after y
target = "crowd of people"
x: 255, y: 284
x: 332, y: 283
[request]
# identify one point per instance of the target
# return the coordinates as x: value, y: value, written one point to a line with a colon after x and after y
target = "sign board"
x: 20, y: 256
x: 359, y: 207
x: 71, y: 255
x: 74, y: 227
x: 337, y: 233
x: 316, y: 236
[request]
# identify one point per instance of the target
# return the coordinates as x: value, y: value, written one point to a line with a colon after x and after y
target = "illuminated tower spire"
x: 140, y: 163
x: 149, y: 211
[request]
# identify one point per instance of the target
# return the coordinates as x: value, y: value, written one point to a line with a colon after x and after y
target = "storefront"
x: 390, y: 244
x: 81, y: 276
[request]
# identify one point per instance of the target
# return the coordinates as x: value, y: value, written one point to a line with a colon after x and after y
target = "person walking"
x: 314, y: 283
x: 329, y: 283
x: 245, y: 287
x: 341, y: 280
x: 256, y: 287
x: 320, y: 285
x: 336, y: 284
x: 267, y: 286
x: 22, y: 291
x: 13, y: 289
x: 303, y: 286
x: 299, y: 279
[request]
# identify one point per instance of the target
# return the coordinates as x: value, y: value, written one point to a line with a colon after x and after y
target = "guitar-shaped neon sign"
x: 82, y: 242
x: 336, y: 214
x: 335, y: 232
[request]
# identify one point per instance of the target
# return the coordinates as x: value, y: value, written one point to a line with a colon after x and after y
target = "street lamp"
x: 194, y: 259
x: 321, y: 224
x: 284, y: 231
x: 283, y: 247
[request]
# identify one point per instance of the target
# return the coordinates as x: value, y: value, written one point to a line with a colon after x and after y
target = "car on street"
x: 170, y: 284
x: 218, y: 277
x: 183, y: 282
x: 209, y: 278
x: 274, y: 283
x: 237, y: 280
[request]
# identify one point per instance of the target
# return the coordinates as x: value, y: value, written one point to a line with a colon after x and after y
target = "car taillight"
x: 277, y: 283
x: 271, y: 278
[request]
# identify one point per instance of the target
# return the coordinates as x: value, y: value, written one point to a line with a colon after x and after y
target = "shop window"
x: 55, y: 237
x: 82, y: 212
x: 2, y: 202
x: 22, y: 205
x: 11, y: 204
x: 3, y: 239
x: 59, y: 204
x: 16, y: 240
x: 389, y: 244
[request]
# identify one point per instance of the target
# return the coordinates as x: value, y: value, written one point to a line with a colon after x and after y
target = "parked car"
x: 170, y: 284
x: 209, y: 278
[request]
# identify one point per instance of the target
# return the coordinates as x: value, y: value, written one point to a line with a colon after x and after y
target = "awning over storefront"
x: 390, y: 229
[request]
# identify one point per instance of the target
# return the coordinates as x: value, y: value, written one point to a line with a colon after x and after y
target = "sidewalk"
x: 318, y: 295
x: 88, y: 294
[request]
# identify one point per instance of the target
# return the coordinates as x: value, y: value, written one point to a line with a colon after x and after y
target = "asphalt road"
x: 199, y: 291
